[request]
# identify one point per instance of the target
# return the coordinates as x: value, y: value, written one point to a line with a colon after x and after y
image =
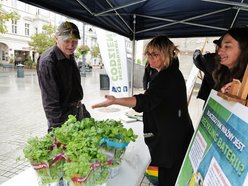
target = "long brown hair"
x: 223, y: 74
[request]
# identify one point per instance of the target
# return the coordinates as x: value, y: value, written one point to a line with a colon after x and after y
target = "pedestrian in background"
x: 59, y: 78
x: 167, y: 125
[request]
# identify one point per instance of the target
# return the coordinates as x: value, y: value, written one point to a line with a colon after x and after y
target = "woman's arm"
x: 111, y: 100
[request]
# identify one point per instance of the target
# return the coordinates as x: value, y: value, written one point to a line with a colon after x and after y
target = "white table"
x: 135, y: 161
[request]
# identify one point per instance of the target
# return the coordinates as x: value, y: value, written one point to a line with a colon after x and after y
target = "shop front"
x: 21, y: 56
x: 3, y: 53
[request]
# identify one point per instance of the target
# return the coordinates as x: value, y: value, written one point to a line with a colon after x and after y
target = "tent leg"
x: 133, y: 62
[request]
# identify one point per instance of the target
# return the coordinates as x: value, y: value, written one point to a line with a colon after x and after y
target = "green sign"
x: 218, y: 152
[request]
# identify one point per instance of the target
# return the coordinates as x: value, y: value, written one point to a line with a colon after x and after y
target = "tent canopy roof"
x: 143, y: 19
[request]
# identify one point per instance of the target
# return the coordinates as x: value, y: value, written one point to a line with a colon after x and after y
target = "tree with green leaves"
x: 83, y: 50
x: 6, y: 16
x: 95, y: 52
x: 40, y: 42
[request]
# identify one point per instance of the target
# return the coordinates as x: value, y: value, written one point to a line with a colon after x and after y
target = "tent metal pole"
x: 119, y: 7
x: 236, y: 15
x: 185, y: 21
x: 133, y: 58
x: 239, y: 5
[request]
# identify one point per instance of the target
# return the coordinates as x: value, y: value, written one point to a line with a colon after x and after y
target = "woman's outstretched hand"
x: 108, y: 101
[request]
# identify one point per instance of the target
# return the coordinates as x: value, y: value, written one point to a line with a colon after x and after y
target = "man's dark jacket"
x: 60, y: 84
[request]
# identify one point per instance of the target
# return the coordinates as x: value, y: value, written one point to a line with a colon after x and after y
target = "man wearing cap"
x: 206, y: 64
x: 59, y: 78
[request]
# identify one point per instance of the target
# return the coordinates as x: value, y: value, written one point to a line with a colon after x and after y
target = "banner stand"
x: 217, y: 154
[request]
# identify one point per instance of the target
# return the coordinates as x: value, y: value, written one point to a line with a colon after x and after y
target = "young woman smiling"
x: 233, y: 58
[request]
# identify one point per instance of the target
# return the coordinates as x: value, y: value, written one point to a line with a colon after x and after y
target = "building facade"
x: 14, y: 47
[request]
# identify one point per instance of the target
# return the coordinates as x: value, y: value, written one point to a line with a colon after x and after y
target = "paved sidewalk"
x: 22, y: 115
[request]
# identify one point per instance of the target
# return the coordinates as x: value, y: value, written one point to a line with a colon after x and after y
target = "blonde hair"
x: 167, y: 48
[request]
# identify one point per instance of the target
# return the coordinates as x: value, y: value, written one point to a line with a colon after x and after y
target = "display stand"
x: 190, y: 84
x: 217, y: 154
x: 238, y: 92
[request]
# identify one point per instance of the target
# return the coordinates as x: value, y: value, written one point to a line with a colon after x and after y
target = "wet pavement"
x: 22, y: 115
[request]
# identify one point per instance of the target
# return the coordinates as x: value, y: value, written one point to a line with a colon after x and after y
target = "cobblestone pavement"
x: 22, y: 115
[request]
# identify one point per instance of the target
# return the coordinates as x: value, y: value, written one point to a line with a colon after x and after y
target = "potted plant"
x: 82, y: 152
x: 43, y: 158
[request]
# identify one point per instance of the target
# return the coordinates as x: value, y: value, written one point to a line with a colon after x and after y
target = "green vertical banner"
x: 218, y: 152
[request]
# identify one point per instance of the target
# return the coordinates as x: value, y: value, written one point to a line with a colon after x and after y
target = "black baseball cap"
x: 217, y: 41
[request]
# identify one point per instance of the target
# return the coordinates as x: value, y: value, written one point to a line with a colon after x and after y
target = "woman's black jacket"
x: 165, y: 115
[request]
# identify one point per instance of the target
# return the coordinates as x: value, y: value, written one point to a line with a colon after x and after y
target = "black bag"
x: 86, y: 113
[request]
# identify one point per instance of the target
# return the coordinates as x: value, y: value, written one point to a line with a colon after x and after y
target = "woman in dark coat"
x: 167, y: 125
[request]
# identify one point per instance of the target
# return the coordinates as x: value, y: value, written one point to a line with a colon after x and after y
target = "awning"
x: 143, y: 19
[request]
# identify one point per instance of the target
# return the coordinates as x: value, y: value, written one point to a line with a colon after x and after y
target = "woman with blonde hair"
x: 167, y: 125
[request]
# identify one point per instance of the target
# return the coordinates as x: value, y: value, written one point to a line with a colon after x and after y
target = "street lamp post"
x: 83, y: 65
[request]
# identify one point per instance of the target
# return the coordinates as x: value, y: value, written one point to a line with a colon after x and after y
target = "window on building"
x: 26, y: 7
x: 3, y: 56
x: 36, y: 30
x: 38, y: 11
x: 14, y: 26
x: 14, y: 3
x: 27, y: 29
